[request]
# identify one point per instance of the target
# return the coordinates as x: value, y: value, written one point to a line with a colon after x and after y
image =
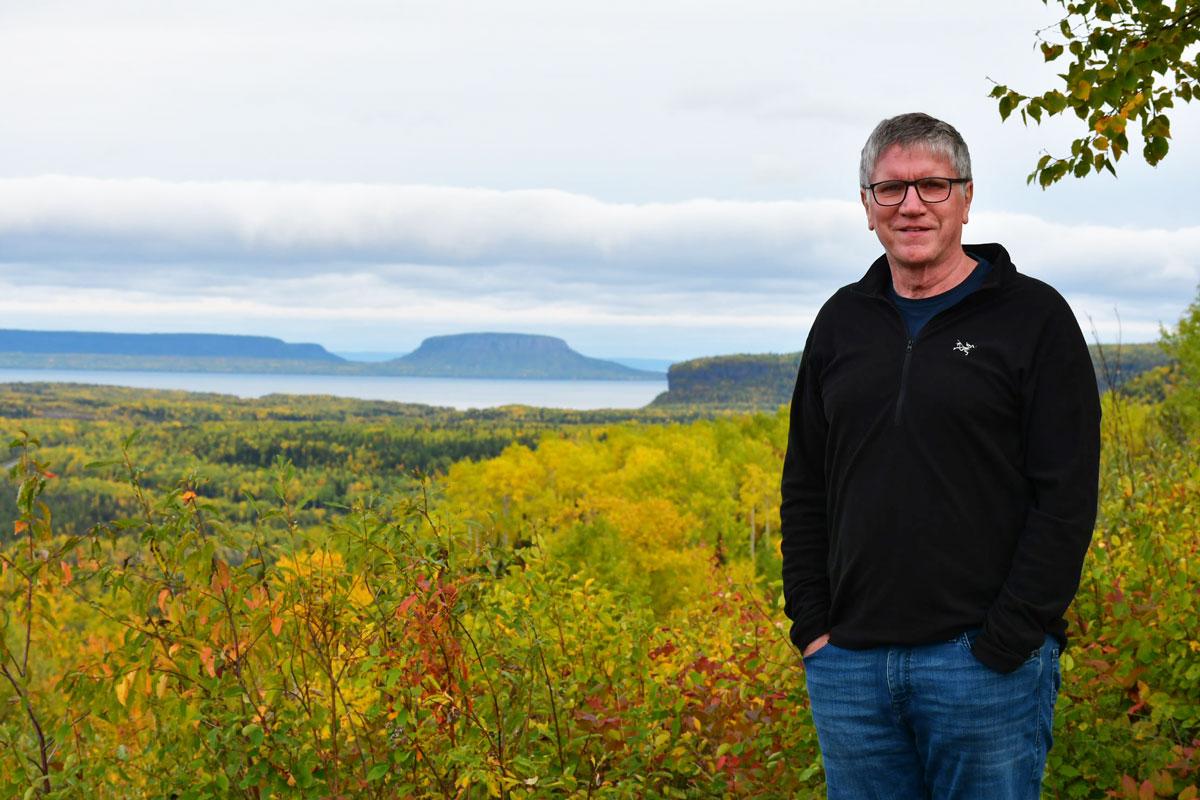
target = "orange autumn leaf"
x: 66, y: 571
x: 209, y: 662
x: 20, y: 526
x: 123, y: 686
x: 163, y: 596
x: 48, y: 474
x: 188, y: 496
x: 276, y: 625
x: 221, y: 579
x: 256, y: 599
x: 406, y: 604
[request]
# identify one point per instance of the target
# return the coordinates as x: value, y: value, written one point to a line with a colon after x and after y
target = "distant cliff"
x: 765, y: 382
x: 505, y: 355
x: 738, y: 382
x: 1125, y: 362
x: 159, y: 345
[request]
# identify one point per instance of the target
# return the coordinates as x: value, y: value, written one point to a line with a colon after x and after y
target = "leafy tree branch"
x: 1130, y: 60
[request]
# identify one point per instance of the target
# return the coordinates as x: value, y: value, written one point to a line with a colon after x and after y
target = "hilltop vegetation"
x: 746, y: 382
x: 763, y: 382
x: 569, y: 605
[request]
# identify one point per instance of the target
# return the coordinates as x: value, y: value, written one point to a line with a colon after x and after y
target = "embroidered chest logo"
x: 964, y: 348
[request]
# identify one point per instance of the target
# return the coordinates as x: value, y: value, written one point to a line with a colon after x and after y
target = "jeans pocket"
x: 816, y: 653
x: 966, y: 639
x: 1049, y: 647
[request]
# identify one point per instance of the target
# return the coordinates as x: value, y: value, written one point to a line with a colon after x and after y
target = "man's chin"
x: 914, y: 258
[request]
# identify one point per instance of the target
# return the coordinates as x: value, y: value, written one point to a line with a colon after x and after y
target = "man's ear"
x: 862, y: 195
x: 969, y: 190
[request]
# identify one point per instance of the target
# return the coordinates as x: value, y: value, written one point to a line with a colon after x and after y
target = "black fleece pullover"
x: 944, y: 482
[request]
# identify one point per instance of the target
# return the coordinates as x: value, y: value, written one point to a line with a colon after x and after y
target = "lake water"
x: 460, y: 393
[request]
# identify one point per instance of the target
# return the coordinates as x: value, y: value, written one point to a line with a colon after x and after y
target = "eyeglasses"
x: 930, y: 190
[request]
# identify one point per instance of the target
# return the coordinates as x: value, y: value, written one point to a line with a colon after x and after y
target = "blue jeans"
x: 932, y: 722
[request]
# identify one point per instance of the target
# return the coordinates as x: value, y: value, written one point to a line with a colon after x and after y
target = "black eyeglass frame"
x: 913, y: 185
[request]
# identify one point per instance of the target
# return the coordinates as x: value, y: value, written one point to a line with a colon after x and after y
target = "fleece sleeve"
x: 802, y: 511
x: 1060, y: 428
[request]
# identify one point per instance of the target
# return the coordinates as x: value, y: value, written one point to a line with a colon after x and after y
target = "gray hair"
x: 915, y: 130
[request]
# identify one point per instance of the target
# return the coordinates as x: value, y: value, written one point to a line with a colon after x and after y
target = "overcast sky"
x: 643, y: 179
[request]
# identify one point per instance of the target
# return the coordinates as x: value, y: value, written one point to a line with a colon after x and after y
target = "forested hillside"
x: 342, y: 449
x: 747, y: 382
x: 762, y: 382
x: 263, y: 599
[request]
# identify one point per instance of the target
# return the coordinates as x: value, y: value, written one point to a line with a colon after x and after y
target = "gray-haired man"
x: 939, y: 493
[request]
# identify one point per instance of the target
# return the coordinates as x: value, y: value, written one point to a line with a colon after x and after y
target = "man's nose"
x: 912, y: 203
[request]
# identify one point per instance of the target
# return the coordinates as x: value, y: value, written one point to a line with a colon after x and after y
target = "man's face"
x: 916, y: 234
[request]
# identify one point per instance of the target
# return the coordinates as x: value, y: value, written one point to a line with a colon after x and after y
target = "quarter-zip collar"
x: 879, y: 277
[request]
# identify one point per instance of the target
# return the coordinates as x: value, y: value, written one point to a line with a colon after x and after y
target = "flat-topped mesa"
x: 507, y: 355
x: 208, y: 345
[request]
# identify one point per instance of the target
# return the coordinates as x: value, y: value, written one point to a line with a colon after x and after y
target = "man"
x: 939, y: 493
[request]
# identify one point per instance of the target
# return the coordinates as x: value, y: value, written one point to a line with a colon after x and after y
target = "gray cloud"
x: 311, y: 228
x: 441, y: 258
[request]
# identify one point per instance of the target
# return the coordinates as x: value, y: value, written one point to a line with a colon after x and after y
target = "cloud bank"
x: 454, y: 257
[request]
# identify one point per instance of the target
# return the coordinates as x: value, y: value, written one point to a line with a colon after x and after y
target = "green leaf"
x: 1006, y: 106
x: 378, y: 771
x: 1158, y: 126
x: 254, y: 733
x: 1055, y: 102
x: 1119, y: 144
x: 1156, y: 150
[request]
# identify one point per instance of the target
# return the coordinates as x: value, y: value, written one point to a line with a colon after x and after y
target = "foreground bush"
x: 174, y: 655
